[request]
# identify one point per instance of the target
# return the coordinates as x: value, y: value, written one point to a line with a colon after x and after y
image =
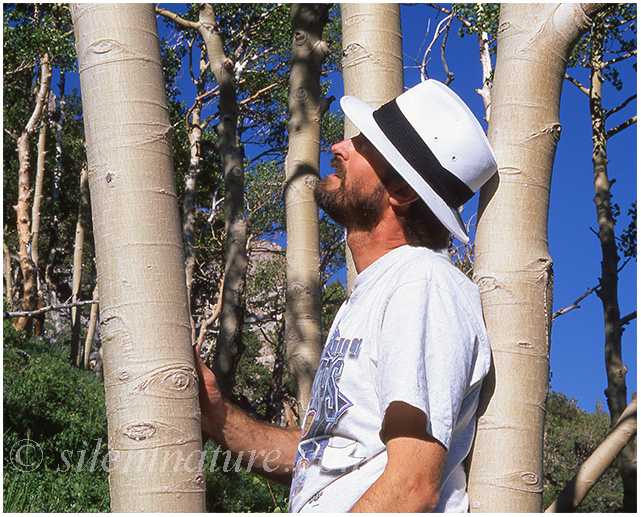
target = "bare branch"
x: 450, y: 75
x: 48, y: 308
x: 214, y: 315
x: 620, y: 58
x: 627, y: 319
x: 439, y: 7
x: 620, y: 106
x: 575, y: 305
x: 437, y: 33
x: 577, y: 84
x: 185, y: 24
x: 12, y: 134
x: 621, y: 127
x: 258, y: 94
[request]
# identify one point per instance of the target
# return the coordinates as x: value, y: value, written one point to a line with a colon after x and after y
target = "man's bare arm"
x: 266, y: 449
x: 415, y: 460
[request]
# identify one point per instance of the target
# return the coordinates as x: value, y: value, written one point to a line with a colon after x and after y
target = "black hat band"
x: 413, y: 148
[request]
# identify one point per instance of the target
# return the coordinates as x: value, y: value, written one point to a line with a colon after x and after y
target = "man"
x: 393, y: 407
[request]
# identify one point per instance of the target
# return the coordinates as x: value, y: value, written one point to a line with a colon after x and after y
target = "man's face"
x: 353, y: 196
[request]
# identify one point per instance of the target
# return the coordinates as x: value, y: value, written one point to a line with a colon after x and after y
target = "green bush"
x: 233, y: 489
x: 50, y: 407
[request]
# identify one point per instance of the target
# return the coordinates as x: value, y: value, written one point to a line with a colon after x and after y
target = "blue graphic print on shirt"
x: 326, y: 406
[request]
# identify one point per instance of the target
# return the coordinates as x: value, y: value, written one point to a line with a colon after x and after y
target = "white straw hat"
x: 433, y: 140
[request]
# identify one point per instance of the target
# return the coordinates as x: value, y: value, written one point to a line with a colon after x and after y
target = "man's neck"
x: 368, y: 247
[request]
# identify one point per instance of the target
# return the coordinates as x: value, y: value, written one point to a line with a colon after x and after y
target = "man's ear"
x: 402, y: 195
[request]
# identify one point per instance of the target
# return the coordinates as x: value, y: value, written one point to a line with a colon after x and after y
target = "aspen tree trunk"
x: 372, y: 65
x: 91, y: 328
x: 77, y: 266
x: 58, y: 119
x: 194, y: 132
x: 151, y: 386
x: 27, y: 266
x: 229, y: 345
x: 513, y: 268
x: 40, y: 171
x: 616, y: 392
x: 303, y: 316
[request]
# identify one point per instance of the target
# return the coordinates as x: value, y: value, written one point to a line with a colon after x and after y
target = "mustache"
x: 338, y: 165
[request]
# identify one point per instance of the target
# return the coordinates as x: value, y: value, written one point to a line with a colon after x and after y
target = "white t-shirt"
x: 411, y: 331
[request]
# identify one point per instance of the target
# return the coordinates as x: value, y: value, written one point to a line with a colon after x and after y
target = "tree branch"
x: 620, y: 106
x: 48, y: 308
x: 627, y: 319
x: 620, y: 58
x: 577, y: 84
x: 450, y: 75
x: 621, y: 127
x: 437, y: 33
x: 575, y: 305
x: 185, y: 24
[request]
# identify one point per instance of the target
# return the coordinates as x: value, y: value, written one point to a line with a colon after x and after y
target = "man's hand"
x: 212, y: 405
x: 265, y: 449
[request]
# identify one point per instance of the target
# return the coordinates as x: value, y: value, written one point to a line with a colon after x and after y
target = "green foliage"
x: 571, y: 435
x: 617, y: 25
x: 479, y: 18
x: 230, y: 488
x: 627, y: 243
x: 59, y: 408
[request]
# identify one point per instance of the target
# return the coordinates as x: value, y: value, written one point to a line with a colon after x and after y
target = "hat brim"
x: 361, y: 115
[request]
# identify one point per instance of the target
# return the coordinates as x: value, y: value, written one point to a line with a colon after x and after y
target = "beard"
x: 354, y: 210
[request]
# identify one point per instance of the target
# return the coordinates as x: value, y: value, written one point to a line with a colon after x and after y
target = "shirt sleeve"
x: 425, y: 355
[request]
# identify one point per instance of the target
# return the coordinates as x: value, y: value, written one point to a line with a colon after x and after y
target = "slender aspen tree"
x: 513, y: 268
x: 303, y: 316
x: 151, y: 385
x: 229, y: 345
x: 79, y: 244
x: 372, y: 64
x: 25, y: 192
x: 616, y: 391
x: 194, y: 134
x: 40, y: 172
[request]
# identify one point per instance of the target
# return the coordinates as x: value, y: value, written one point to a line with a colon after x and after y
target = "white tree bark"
x: 303, y: 318
x: 151, y: 385
x: 372, y: 64
x: 513, y: 268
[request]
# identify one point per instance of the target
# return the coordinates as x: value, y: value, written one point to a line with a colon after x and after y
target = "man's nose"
x: 342, y: 149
